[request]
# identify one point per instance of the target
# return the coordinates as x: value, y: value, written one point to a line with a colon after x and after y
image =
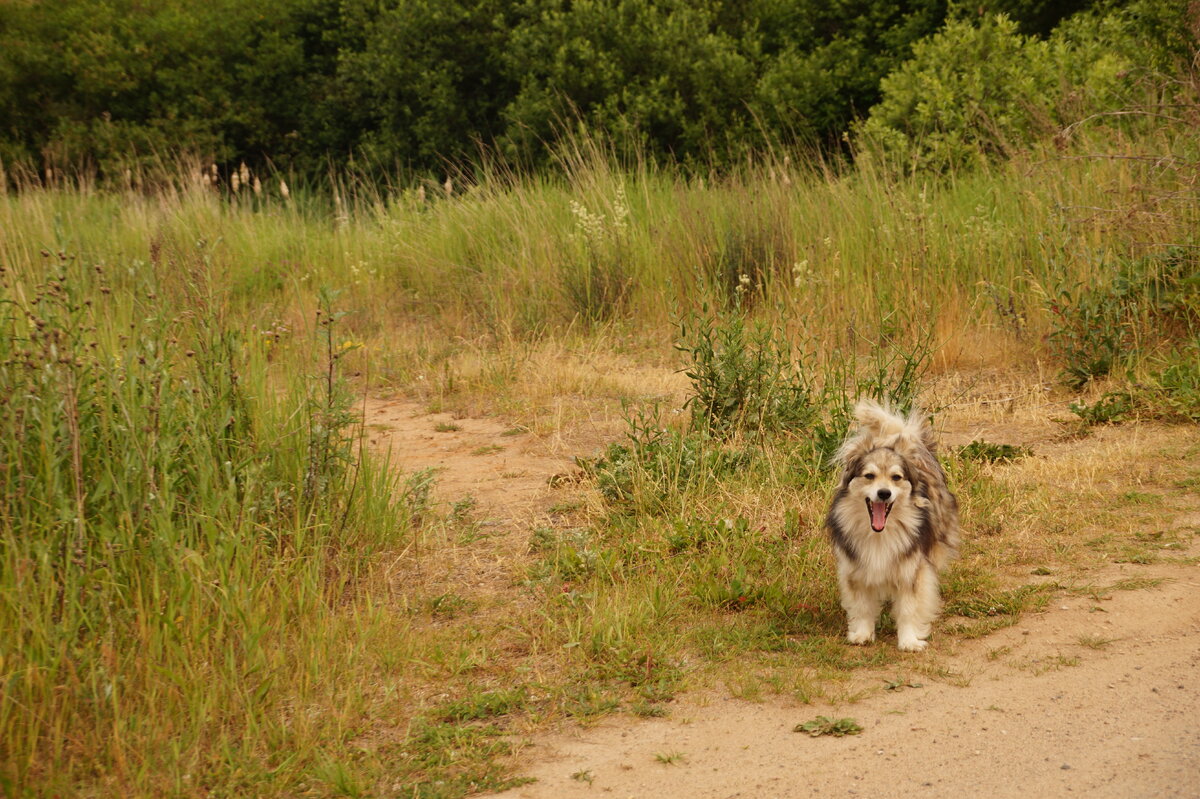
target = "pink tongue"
x: 878, y: 515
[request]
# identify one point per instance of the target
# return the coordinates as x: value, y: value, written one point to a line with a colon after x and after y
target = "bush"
x: 976, y: 91
x: 1098, y: 328
x: 744, y: 377
x: 660, y: 463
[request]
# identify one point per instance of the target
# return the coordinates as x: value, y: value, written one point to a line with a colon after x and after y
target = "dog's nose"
x: 885, y: 493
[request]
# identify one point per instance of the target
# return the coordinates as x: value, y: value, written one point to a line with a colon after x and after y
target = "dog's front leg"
x: 915, y: 610
x: 862, y: 607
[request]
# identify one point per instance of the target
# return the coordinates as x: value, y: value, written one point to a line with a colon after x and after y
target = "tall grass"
x: 177, y: 529
x: 847, y: 257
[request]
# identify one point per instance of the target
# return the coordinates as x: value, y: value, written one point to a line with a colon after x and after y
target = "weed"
x: 975, y: 596
x: 744, y: 377
x: 824, y: 725
x: 660, y: 463
x: 1056, y: 662
x: 1099, y: 327
x: 672, y: 758
x: 447, y: 427
x: 649, y: 710
x: 1093, y: 641
x: 487, y: 449
x: 1111, y: 408
x: 569, y: 555
x: 461, y: 510
x: 584, y: 776
x: 982, y: 451
x: 486, y: 705
x: 588, y: 702
x: 451, y: 606
x: 596, y: 278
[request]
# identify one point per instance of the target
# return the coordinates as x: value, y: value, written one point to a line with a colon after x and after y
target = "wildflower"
x: 800, y: 271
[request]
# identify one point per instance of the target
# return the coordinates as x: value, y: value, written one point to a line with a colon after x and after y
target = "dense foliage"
x: 306, y: 84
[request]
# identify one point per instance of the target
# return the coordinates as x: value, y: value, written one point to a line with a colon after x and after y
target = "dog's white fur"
x: 891, y: 479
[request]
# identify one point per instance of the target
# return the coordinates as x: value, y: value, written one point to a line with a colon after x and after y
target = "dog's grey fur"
x: 894, y: 525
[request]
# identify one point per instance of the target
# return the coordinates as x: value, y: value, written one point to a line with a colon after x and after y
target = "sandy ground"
x: 1094, y: 697
x: 1123, y: 722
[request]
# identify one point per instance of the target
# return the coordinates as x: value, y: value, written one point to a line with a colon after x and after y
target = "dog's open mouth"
x: 879, y: 511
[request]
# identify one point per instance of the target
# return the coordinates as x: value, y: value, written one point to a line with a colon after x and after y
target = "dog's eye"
x: 895, y: 478
x: 869, y: 476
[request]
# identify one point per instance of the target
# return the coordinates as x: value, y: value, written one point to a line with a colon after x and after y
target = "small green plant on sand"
x: 823, y: 725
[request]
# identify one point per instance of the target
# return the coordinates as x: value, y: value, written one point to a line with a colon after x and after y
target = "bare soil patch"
x: 501, y: 466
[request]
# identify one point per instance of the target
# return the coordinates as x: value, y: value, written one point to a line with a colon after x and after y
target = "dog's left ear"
x: 920, y: 488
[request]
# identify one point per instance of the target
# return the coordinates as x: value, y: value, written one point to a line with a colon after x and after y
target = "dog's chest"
x: 887, y: 558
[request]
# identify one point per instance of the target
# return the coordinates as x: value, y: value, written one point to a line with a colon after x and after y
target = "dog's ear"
x: 919, y: 482
x: 850, y: 468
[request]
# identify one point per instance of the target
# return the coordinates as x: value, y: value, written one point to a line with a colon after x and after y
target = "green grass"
x: 208, y: 587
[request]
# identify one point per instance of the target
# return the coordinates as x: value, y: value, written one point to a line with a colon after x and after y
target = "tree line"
x: 306, y: 85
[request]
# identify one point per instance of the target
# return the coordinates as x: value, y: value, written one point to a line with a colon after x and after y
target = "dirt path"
x: 504, y: 469
x: 1096, y: 697
x: 1123, y: 721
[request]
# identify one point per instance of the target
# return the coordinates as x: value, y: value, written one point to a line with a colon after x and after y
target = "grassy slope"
x: 169, y: 641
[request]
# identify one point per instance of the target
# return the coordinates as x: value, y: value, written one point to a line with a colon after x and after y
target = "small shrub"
x: 1097, y: 328
x: 744, y: 377
x: 750, y: 379
x: 660, y: 462
x: 981, y: 451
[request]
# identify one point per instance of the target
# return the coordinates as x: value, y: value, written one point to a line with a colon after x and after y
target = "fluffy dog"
x: 894, y: 525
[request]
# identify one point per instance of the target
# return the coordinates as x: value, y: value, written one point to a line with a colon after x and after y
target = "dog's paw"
x: 912, y: 645
x: 860, y: 635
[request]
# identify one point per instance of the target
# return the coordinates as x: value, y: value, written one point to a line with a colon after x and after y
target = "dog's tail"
x: 879, y: 425
x: 882, y: 422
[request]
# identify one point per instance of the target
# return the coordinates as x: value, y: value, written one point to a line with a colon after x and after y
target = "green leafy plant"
x: 824, y: 725
x: 660, y: 462
x: 1099, y: 328
x: 982, y: 451
x: 745, y: 377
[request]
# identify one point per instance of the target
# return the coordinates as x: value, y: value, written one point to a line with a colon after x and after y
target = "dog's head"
x: 879, y: 479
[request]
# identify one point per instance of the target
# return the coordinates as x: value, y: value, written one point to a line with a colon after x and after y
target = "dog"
x: 893, y: 524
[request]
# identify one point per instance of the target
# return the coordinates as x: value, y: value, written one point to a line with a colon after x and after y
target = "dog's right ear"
x: 851, y: 466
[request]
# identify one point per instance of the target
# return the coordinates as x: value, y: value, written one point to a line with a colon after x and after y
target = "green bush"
x: 1099, y: 328
x: 744, y: 377
x: 660, y: 463
x: 976, y: 91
